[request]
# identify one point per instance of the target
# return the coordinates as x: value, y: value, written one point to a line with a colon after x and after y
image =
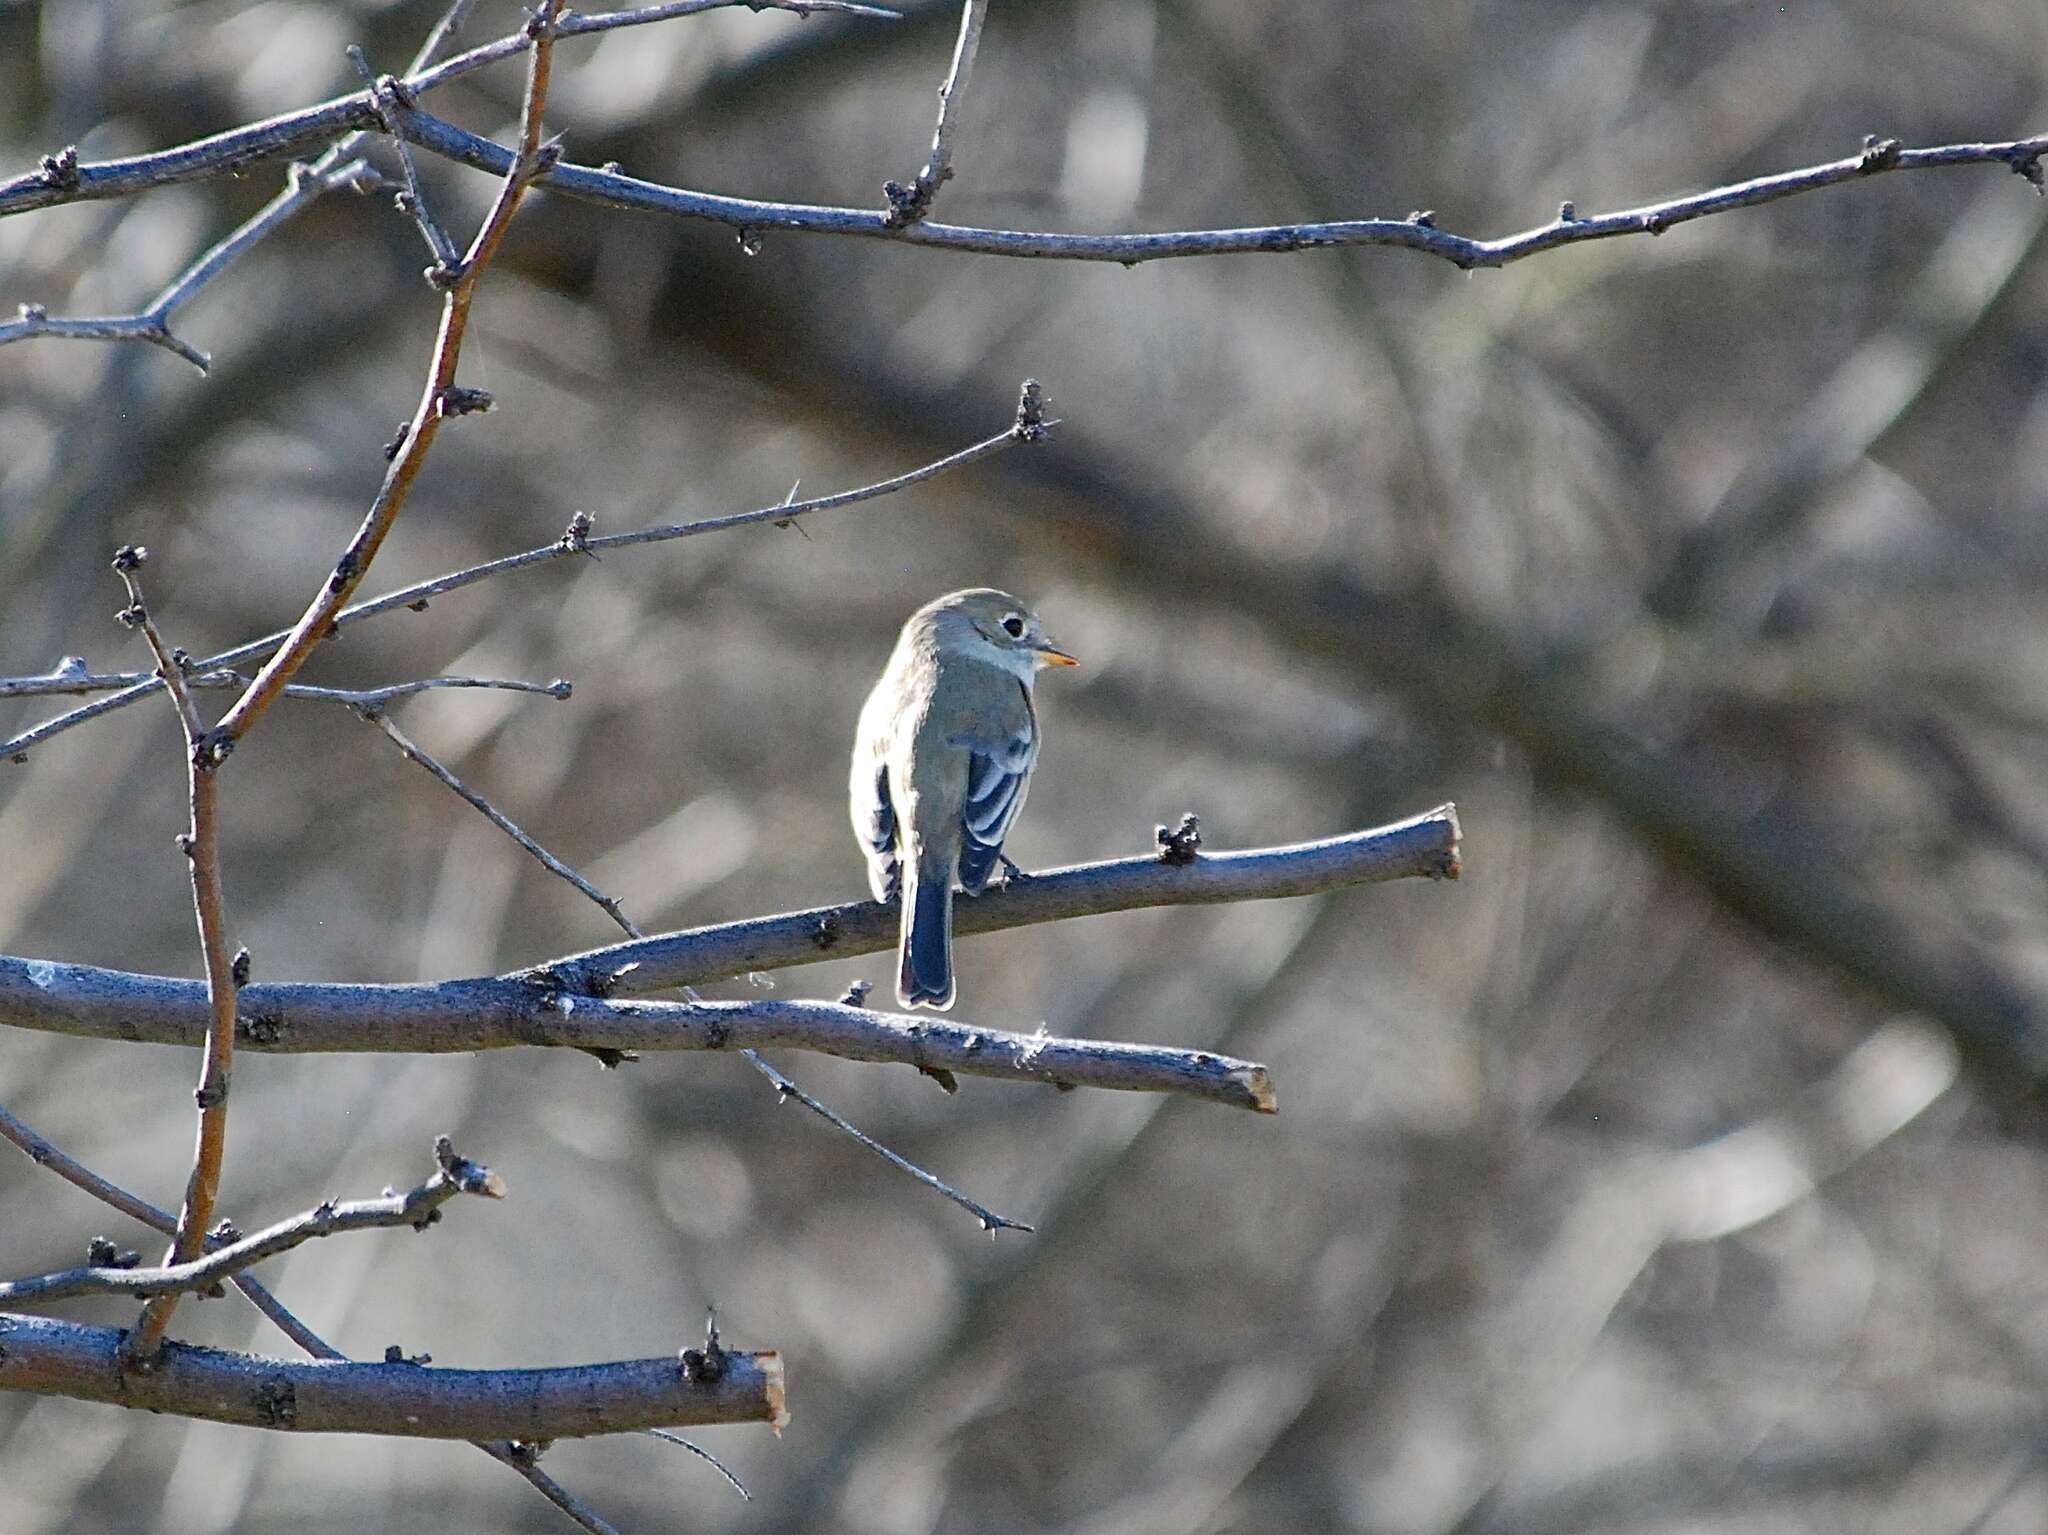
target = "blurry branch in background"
x: 1563, y: 1303
x: 909, y: 204
x: 418, y: 1207
x: 1030, y: 425
x: 397, y: 1397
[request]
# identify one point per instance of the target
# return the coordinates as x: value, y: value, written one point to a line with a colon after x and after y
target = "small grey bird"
x: 941, y: 764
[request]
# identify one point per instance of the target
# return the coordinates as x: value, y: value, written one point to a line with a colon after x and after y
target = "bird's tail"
x: 925, y: 974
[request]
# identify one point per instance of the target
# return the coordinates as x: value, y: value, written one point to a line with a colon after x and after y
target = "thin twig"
x: 698, y: 1450
x: 909, y: 204
x: 76, y: 679
x: 418, y: 1207
x: 64, y: 178
x: 303, y: 184
x: 437, y: 399
x: 990, y: 1221
x: 1417, y: 232
x: 201, y: 845
x: 414, y: 753
x: 392, y: 100
x: 577, y: 540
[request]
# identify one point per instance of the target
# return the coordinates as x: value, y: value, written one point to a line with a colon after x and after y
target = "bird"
x: 942, y: 760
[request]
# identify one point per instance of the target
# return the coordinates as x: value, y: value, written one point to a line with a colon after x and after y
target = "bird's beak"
x: 1052, y: 655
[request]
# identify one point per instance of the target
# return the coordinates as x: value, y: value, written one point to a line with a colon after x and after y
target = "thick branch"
x: 417, y: 1401
x: 495, y: 1012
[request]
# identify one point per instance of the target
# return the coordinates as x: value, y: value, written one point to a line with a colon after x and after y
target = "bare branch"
x: 63, y: 178
x: 498, y: 1012
x: 578, y: 540
x: 788, y: 1090
x: 418, y: 1207
x: 201, y: 846
x: 303, y: 185
x: 519, y: 1459
x: 416, y: 1401
x: 70, y: 678
x: 909, y: 204
x: 437, y: 400
x: 1417, y: 232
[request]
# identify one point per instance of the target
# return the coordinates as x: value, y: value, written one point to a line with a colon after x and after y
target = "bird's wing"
x: 998, y: 776
x: 874, y: 820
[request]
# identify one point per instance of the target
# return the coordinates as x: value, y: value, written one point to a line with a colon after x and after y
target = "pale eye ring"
x: 1014, y: 626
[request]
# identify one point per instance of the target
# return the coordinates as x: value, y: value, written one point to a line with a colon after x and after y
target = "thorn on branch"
x: 2028, y: 167
x: 1179, y: 845
x: 35, y: 314
x: 856, y: 994
x: 397, y: 443
x: 238, y: 971
x: 210, y: 1095
x: 1879, y: 154
x: 395, y: 1354
x: 61, y: 169
x: 1567, y: 213
x: 705, y: 1366
x: 749, y: 239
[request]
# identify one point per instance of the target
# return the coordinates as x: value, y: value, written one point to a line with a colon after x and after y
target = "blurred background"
x: 1679, y: 1169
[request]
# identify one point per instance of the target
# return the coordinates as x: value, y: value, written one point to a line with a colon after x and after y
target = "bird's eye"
x: 1013, y: 626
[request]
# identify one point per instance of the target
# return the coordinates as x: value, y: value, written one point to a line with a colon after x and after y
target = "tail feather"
x: 925, y: 975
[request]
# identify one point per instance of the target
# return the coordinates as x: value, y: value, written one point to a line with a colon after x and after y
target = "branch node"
x: 2028, y: 167
x: 1567, y: 213
x: 35, y: 314
x: 1179, y: 845
x: 704, y: 1366
x: 1032, y: 426
x: 238, y: 971
x: 210, y: 1095
x: 397, y: 444
x: 61, y: 169
x: 856, y: 994
x: 1423, y: 218
x: 457, y: 400
x: 104, y: 1253
x: 829, y: 930
x: 1879, y: 154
